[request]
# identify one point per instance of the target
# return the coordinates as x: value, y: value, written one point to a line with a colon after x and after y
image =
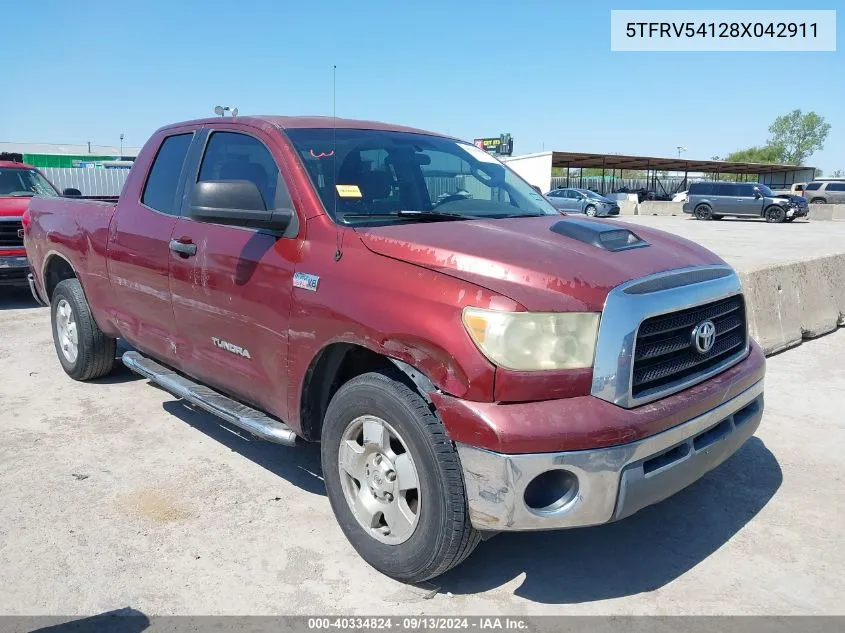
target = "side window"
x: 813, y: 186
x: 701, y: 189
x: 835, y: 186
x: 746, y: 191
x: 572, y: 194
x: 556, y: 194
x: 724, y: 189
x: 234, y: 156
x: 163, y: 179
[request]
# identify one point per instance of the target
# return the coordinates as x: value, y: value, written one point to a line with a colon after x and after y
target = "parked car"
x: 825, y: 192
x: 582, y: 201
x: 681, y: 196
x: 18, y: 184
x: 469, y: 365
x: 714, y: 200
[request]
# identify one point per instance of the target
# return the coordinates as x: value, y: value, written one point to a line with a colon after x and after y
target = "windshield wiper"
x: 422, y: 216
x: 22, y: 194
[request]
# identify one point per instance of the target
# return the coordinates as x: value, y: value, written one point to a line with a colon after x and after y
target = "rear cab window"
x: 163, y: 180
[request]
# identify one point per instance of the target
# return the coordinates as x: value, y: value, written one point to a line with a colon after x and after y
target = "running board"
x: 249, y: 419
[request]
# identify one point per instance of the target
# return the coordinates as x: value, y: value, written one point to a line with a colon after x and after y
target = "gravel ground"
x: 113, y: 494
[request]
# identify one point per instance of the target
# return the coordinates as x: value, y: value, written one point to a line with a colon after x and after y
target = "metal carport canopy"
x: 618, y: 161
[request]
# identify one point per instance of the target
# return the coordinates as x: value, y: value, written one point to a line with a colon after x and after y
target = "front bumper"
x: 797, y: 212
x: 13, y: 270
x: 608, y: 211
x: 604, y: 484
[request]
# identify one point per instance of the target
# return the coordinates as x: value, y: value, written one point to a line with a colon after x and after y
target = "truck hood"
x: 13, y: 206
x: 524, y: 260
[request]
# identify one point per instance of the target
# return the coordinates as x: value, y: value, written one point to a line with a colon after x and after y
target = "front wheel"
x: 775, y: 214
x: 591, y: 211
x: 394, y: 479
x: 84, y: 351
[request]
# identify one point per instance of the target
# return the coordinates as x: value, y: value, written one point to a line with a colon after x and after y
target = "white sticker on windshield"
x: 478, y: 153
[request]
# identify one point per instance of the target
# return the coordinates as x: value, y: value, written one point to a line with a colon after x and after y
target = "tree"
x: 799, y: 135
x: 764, y: 154
x: 838, y: 173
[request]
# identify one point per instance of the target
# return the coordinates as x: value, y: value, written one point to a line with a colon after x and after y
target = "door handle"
x: 185, y: 249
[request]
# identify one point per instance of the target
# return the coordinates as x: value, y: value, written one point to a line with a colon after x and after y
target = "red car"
x: 18, y: 184
x: 471, y: 360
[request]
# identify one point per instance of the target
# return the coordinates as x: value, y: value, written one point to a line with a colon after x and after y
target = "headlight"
x: 527, y: 341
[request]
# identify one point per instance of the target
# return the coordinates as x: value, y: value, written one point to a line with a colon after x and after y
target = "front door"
x: 746, y: 203
x: 139, y: 255
x: 232, y: 296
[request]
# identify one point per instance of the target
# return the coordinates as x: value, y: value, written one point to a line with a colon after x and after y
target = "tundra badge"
x: 240, y: 351
x: 305, y: 281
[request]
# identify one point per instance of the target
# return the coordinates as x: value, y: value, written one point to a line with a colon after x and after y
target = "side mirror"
x: 71, y: 192
x: 235, y: 202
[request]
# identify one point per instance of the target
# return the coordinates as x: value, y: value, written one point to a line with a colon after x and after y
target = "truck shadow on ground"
x: 125, y: 620
x: 639, y: 554
x: 300, y: 465
x: 15, y: 298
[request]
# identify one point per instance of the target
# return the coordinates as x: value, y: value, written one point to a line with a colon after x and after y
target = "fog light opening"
x: 550, y: 491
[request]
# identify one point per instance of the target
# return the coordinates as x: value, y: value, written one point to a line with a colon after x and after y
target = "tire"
x: 93, y: 354
x: 818, y: 201
x: 703, y: 212
x: 441, y: 535
x: 590, y: 210
x: 775, y: 214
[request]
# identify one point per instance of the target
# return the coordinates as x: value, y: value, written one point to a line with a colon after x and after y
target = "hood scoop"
x: 609, y: 238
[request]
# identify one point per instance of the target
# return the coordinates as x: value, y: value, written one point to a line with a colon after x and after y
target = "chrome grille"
x: 665, y: 354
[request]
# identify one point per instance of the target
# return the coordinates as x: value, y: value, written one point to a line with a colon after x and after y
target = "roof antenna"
x: 338, y: 253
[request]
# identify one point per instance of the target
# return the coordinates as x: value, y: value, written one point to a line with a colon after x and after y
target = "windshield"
x: 388, y: 176
x: 594, y: 195
x: 24, y: 182
x: 766, y: 191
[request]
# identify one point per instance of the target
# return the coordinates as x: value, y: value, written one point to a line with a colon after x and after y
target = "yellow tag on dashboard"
x: 348, y: 191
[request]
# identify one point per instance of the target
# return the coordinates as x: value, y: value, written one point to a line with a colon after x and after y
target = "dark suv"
x: 714, y: 200
x: 825, y: 191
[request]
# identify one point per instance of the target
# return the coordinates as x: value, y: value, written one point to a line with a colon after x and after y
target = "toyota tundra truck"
x: 18, y: 184
x: 471, y: 363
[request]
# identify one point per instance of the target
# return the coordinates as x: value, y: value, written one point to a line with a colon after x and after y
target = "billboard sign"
x: 501, y: 145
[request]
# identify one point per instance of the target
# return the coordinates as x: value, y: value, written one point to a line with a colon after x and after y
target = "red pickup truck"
x: 18, y: 184
x: 471, y: 360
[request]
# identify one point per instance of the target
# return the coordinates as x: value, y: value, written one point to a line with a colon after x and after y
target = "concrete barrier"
x: 795, y: 300
x: 659, y: 207
x: 827, y: 212
x: 628, y: 207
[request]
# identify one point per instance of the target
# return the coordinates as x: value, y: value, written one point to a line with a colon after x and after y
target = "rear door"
x: 232, y: 298
x: 139, y: 255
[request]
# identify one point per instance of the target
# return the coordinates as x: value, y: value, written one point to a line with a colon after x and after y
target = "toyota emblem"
x: 704, y: 336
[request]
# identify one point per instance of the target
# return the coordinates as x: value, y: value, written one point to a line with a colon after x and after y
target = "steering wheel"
x: 454, y: 197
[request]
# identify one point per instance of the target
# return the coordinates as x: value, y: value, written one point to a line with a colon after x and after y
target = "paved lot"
x: 114, y: 494
x: 747, y: 244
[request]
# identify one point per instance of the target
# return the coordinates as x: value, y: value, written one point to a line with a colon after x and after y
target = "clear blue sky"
x: 543, y: 71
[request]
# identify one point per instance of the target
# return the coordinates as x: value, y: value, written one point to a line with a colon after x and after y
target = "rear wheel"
x: 775, y: 214
x: 84, y: 351
x: 394, y: 479
x: 818, y: 201
x: 703, y: 212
